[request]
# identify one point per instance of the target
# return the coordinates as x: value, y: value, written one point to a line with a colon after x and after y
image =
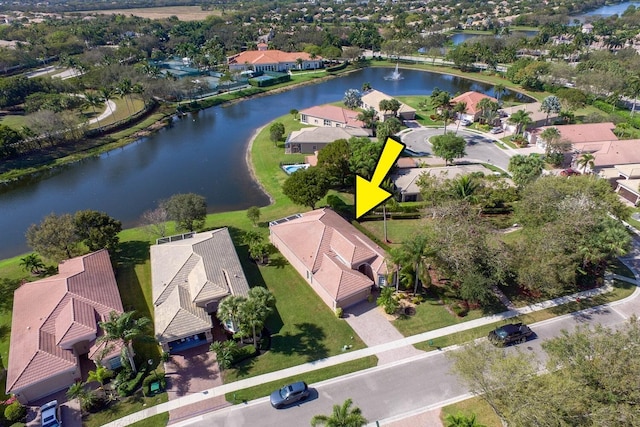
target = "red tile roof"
x: 334, y: 113
x: 272, y: 56
x: 611, y: 153
x: 472, y: 98
x: 51, y: 312
x: 331, y: 249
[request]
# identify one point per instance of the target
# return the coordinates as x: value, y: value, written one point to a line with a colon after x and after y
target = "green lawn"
x: 14, y: 121
x: 159, y: 420
x: 309, y: 377
x: 127, y: 406
x: 620, y: 290
x: 474, y: 406
x: 398, y: 230
x: 303, y: 328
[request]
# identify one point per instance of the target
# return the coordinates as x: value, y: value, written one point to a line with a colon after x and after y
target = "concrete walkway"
x: 368, y: 321
x: 354, y: 355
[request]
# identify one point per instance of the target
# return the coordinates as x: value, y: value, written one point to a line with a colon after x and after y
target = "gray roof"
x: 186, y: 275
x: 314, y: 135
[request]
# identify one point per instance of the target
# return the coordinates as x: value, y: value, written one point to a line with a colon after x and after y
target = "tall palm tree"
x: 32, y: 263
x: 633, y: 89
x: 586, y: 160
x: 342, y: 416
x: 124, y: 89
x: 499, y: 89
x: 106, y: 94
x: 94, y: 101
x: 521, y: 119
x: 229, y: 310
x: 416, y: 249
x: 460, y: 108
x: 138, y: 89
x: 368, y: 117
x: 446, y: 116
x: 124, y: 328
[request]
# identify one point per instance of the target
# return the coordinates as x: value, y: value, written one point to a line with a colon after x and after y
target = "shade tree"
x: 97, y: 230
x: 448, y: 146
x: 334, y: 159
x: 188, y: 210
x: 307, y: 186
x: 525, y: 169
x: 55, y: 237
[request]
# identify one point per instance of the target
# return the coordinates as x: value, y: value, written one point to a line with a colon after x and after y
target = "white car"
x: 50, y: 414
x: 496, y: 129
x: 465, y: 122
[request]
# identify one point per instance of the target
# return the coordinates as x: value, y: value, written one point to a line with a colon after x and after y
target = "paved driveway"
x: 193, y: 371
x: 480, y: 147
x: 368, y: 321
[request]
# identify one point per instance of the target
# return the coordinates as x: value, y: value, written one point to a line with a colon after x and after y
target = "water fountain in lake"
x: 395, y: 75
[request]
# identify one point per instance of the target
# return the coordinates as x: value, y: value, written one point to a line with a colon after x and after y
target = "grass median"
x: 312, y: 377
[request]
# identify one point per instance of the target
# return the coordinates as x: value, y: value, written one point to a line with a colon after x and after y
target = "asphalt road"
x: 480, y: 148
x: 392, y: 390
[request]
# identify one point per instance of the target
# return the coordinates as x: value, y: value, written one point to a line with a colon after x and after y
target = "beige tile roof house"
x: 611, y: 153
x: 55, y: 320
x: 190, y: 275
x: 265, y: 59
x: 310, y: 140
x: 406, y: 180
x: 339, y: 262
x: 576, y: 134
x: 625, y: 179
x: 372, y: 98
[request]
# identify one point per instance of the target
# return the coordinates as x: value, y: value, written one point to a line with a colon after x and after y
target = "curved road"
x: 480, y: 147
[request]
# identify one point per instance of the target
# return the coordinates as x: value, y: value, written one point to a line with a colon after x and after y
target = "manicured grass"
x: 474, y: 406
x: 398, y: 230
x: 620, y: 290
x: 303, y: 328
x: 124, y: 407
x: 309, y: 377
x: 432, y: 314
x: 159, y: 420
x: 125, y: 107
x: 14, y: 121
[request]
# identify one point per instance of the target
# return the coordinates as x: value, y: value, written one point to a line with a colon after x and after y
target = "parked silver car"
x: 289, y: 394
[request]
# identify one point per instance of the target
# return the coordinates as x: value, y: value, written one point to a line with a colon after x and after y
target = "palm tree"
x: 586, y: 160
x: 138, y: 89
x: 521, y: 119
x: 446, y: 116
x: 416, y: 248
x: 124, y: 328
x: 499, y: 89
x: 229, y: 310
x: 255, y: 310
x: 94, y: 100
x: 124, y: 89
x: 99, y: 375
x: 460, y: 108
x: 107, y: 95
x: 342, y: 416
x: 461, y: 420
x: 32, y: 263
x: 465, y: 188
x: 633, y: 89
x: 368, y: 117
x: 86, y: 397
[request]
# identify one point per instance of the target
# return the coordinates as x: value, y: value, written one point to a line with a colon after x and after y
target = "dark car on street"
x: 511, y: 333
x: 289, y: 394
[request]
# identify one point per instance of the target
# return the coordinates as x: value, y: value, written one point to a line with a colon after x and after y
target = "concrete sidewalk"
x: 354, y: 355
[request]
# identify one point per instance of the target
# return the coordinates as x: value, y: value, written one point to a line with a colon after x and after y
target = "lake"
x: 203, y: 153
x: 458, y: 38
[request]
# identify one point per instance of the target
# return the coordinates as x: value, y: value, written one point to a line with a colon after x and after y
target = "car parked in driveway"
x: 496, y: 129
x: 511, y: 333
x: 289, y: 394
x: 465, y: 122
x: 50, y: 414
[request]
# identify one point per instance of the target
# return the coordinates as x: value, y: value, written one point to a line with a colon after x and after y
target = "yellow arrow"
x: 368, y: 193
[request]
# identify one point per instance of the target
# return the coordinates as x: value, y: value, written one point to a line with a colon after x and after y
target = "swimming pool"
x: 289, y: 169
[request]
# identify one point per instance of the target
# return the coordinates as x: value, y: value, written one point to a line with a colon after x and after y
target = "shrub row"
x: 127, y: 388
x: 337, y: 67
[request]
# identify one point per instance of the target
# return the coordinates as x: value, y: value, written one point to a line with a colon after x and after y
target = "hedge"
x: 128, y: 387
